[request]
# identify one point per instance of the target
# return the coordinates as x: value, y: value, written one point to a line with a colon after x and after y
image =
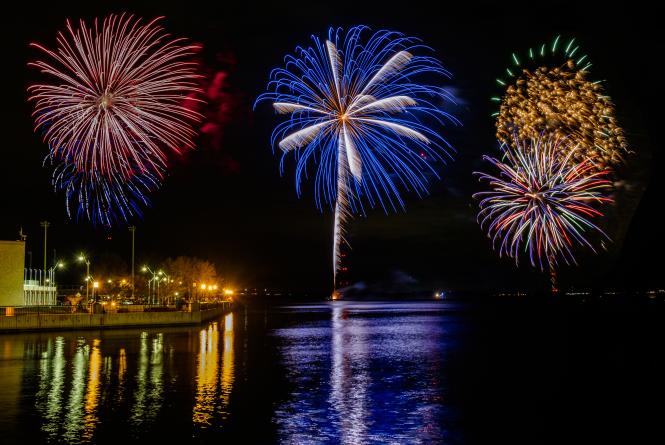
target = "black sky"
x: 228, y: 203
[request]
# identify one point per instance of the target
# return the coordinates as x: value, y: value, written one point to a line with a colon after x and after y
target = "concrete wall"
x: 34, y: 322
x: 12, y: 262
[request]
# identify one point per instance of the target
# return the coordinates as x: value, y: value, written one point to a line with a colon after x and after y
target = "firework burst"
x: 103, y: 200
x: 116, y: 96
x: 542, y: 204
x: 547, y: 91
x: 358, y: 114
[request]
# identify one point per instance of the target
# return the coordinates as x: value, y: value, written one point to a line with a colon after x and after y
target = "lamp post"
x: 133, y: 230
x: 51, y: 281
x: 83, y: 259
x: 58, y: 265
x: 95, y: 285
x: 45, y: 225
x: 167, y: 279
x: 154, y: 278
x: 158, y: 278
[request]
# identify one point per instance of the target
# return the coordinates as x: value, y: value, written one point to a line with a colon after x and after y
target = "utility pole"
x: 133, y: 230
x: 45, y: 225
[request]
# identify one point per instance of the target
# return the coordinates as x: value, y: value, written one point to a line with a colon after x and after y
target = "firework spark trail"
x: 118, y: 96
x: 342, y: 213
x: 101, y: 200
x: 548, y: 90
x: 356, y: 112
x: 114, y: 108
x: 542, y: 203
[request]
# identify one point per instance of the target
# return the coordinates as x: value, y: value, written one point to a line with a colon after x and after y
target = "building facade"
x: 12, y: 261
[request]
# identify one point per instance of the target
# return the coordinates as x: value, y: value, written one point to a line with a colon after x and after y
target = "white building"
x: 38, y: 288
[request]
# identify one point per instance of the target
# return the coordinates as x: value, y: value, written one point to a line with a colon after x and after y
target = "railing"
x: 215, y: 305
x: 16, y: 311
x: 39, y: 287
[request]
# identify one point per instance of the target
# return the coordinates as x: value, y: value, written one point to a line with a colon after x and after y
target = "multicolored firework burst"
x: 114, y: 107
x: 358, y: 113
x: 547, y: 91
x: 540, y: 203
x: 104, y: 201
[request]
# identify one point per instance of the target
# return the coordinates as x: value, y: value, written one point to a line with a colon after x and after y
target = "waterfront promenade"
x: 15, y: 320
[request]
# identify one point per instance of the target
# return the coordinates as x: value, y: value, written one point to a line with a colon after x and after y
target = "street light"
x: 95, y: 285
x: 82, y: 259
x: 167, y: 279
x: 58, y: 265
x: 154, y: 278
x: 133, y: 230
x: 45, y: 225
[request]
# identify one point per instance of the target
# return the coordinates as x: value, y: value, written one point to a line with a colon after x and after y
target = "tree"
x: 187, y: 274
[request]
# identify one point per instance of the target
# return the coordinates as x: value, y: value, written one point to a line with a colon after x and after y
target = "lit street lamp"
x: 133, y: 230
x: 159, y: 274
x: 155, y: 278
x: 45, y: 225
x: 167, y: 279
x: 83, y: 259
x: 58, y: 265
x: 95, y: 285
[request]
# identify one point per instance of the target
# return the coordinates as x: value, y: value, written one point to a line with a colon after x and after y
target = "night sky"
x: 226, y: 201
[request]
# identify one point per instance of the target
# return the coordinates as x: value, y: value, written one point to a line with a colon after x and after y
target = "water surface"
x: 345, y: 372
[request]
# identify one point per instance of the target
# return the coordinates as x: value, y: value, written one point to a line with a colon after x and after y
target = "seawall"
x: 59, y: 322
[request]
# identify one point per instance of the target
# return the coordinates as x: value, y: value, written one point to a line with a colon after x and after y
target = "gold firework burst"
x: 561, y: 102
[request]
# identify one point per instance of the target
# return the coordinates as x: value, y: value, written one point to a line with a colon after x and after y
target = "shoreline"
x: 89, y: 321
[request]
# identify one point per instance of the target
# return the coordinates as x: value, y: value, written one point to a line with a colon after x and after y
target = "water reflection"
x: 49, y: 399
x: 73, y: 425
x: 92, y: 395
x: 213, y: 388
x: 122, y: 371
x: 379, y: 366
x: 349, y: 377
x: 80, y: 384
x: 328, y: 373
x: 149, y: 388
x: 206, y: 377
x: 228, y: 366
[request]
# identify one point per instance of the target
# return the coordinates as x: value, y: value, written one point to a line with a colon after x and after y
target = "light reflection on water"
x: 83, y: 380
x: 330, y: 373
x: 74, y: 414
x: 366, y: 374
x: 213, y: 386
